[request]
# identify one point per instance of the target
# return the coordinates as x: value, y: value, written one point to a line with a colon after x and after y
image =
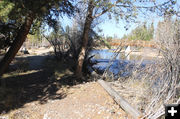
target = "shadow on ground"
x: 38, y: 85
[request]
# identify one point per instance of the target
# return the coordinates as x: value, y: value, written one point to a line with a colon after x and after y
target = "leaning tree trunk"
x: 20, y: 38
x: 85, y: 36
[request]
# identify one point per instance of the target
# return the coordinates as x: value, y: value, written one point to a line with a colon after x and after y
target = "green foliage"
x: 141, y: 33
x: 7, y: 33
x: 5, y: 9
x: 6, y: 28
x: 46, y: 9
x: 40, y: 10
x: 35, y: 33
x: 14, y: 12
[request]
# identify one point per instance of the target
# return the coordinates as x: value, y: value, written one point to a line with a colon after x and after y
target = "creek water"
x: 121, y: 65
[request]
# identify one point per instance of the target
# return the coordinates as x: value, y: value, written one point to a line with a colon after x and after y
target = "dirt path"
x: 36, y: 57
x: 83, y: 101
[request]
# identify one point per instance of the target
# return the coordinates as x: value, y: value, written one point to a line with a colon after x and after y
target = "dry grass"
x: 149, y: 88
x: 167, y: 73
x: 136, y: 92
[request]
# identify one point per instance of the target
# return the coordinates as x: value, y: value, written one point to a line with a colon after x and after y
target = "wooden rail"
x: 119, y: 100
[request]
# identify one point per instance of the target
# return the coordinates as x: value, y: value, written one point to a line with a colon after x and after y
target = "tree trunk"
x: 20, y: 38
x: 85, y: 38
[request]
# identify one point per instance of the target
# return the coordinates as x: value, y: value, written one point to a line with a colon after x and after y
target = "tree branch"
x: 104, y: 11
x: 128, y: 6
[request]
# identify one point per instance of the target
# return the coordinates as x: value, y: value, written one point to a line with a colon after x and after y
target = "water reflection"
x: 109, y: 54
x: 122, y: 64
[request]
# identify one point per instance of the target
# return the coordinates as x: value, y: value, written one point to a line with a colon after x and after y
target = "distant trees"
x: 59, y: 40
x: 24, y: 13
x: 141, y: 32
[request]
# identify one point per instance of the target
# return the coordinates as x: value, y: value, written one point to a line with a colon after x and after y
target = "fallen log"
x: 119, y: 100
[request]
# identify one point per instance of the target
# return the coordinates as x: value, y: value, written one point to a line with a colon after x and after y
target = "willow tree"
x: 121, y: 10
x: 24, y: 13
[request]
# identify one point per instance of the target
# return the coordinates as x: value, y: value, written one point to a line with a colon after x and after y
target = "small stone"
x: 119, y: 113
x: 4, y: 117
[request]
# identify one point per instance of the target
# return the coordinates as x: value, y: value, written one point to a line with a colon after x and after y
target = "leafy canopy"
x: 14, y: 12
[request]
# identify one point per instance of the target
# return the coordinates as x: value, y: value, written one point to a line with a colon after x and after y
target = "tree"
x: 141, y: 32
x: 121, y: 9
x: 87, y: 26
x: 6, y: 28
x: 24, y: 12
x: 5, y: 7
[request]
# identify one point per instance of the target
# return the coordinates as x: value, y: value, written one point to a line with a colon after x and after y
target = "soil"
x: 40, y: 97
x: 83, y: 101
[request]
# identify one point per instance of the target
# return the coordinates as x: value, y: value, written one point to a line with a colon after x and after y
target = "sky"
x: 111, y: 28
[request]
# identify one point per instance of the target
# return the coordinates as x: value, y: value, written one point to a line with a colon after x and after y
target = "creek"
x: 121, y: 65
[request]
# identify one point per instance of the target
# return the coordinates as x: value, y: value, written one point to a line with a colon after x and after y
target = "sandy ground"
x: 34, y: 52
x: 83, y: 101
x: 147, y: 52
x: 40, y: 51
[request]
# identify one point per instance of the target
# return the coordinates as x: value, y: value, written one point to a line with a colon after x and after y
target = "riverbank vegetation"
x: 149, y: 88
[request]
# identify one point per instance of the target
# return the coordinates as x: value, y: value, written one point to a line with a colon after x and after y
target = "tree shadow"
x: 33, y: 86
